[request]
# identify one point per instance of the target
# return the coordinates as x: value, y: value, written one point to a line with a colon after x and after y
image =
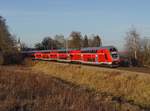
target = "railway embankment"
x: 132, y: 87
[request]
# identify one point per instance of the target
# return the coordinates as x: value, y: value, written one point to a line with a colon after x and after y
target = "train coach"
x: 107, y: 55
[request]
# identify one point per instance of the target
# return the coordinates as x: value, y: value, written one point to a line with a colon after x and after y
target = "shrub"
x: 13, y: 58
x: 1, y: 59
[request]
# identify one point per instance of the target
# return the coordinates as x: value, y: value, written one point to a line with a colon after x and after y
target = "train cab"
x: 107, y: 55
x: 115, y: 55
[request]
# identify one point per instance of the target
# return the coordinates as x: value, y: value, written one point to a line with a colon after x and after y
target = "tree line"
x: 75, y: 40
x: 8, y: 44
x: 7, y: 41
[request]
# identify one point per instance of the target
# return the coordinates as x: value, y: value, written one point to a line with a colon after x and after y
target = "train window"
x: 114, y: 55
x: 113, y: 49
x: 89, y: 51
x: 92, y: 51
x: 62, y: 51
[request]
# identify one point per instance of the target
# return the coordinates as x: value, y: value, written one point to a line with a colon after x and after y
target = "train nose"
x: 115, y: 62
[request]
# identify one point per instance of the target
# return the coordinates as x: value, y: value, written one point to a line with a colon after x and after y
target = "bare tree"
x: 145, y: 52
x: 76, y: 40
x: 9, y: 53
x: 39, y: 46
x: 60, y: 41
x: 85, y: 41
x: 133, y: 46
x: 95, y: 41
x: 7, y: 41
x: 49, y: 43
x: 23, y: 46
x: 133, y: 43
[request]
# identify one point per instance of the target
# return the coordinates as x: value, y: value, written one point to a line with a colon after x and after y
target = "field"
x: 132, y: 87
x: 63, y: 87
x: 25, y: 90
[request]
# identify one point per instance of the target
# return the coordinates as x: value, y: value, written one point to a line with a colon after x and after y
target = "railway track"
x: 136, y: 69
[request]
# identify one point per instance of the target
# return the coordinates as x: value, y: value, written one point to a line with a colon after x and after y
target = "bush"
x: 13, y: 58
x: 1, y: 59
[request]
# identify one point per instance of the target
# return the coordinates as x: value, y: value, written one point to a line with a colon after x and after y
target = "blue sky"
x: 31, y: 20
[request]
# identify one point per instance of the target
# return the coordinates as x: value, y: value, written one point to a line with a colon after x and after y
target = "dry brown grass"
x: 132, y: 86
x: 24, y: 90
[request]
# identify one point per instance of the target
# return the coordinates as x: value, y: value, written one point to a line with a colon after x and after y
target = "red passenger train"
x: 107, y: 55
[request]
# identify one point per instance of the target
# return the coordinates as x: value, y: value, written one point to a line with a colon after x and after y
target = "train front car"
x: 114, y: 55
x: 108, y: 55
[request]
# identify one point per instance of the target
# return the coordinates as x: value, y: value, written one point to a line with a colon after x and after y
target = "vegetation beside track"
x: 134, y: 87
x: 24, y: 90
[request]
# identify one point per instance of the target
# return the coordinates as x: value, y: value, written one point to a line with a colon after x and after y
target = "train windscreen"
x: 114, y: 53
x: 113, y: 50
x: 115, y: 56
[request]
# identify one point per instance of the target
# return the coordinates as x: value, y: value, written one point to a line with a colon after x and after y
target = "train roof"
x: 97, y: 48
x: 88, y: 48
x: 70, y: 49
